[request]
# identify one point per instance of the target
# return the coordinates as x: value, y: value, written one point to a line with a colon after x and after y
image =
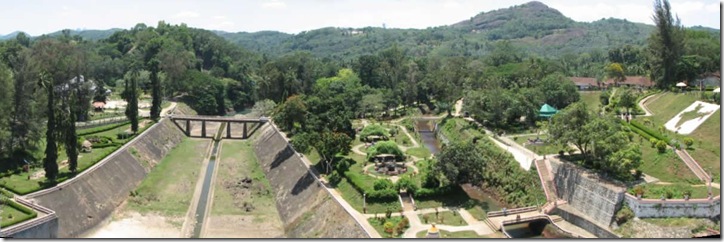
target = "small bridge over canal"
x: 236, y: 128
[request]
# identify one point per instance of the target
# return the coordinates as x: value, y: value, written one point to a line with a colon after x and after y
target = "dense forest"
x: 506, y: 63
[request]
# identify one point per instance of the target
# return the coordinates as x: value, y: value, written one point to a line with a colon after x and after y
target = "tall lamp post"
x: 364, y: 203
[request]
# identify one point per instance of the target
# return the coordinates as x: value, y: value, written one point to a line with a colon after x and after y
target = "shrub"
x: 388, y: 227
x: 84, y: 132
x: 373, y: 129
x: 382, y: 184
x: 385, y: 147
x: 688, y: 142
x: 335, y: 178
x: 124, y: 135
x: 407, y: 184
x: 624, y: 214
x: 653, y: 142
x: 661, y: 146
x: 425, y: 218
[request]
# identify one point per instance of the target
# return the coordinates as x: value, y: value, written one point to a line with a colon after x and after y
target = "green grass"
x: 459, y: 129
x: 706, y: 150
x: 448, y: 234
x: 236, y: 162
x: 168, y: 188
x: 447, y: 217
x: 667, y: 167
x: 419, y: 152
x: 457, y: 198
x: 354, y: 198
x: 695, y: 224
x: 379, y: 226
x: 478, y: 212
x: 11, y: 215
x: 592, y: 99
x: 655, y: 191
x: 540, y: 149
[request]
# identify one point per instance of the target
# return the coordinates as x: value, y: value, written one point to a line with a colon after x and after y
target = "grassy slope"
x: 706, y: 148
x: 591, y: 98
x: 544, y: 149
x: 667, y: 167
x: 170, y: 185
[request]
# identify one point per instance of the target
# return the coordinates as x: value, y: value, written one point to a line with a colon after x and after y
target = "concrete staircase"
x: 546, y: 179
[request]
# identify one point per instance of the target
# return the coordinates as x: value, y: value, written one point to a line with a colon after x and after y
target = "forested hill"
x: 533, y: 27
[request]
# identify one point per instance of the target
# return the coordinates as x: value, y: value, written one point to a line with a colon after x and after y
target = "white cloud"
x: 451, y: 4
x: 273, y: 4
x: 187, y: 14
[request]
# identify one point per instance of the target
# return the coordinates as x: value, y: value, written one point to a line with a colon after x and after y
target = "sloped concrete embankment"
x: 306, y: 209
x: 90, y: 197
x: 592, y: 201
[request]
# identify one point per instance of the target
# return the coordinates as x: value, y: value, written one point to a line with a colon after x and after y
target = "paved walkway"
x: 643, y: 106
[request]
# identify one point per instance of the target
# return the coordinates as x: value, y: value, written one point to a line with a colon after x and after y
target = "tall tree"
x: 153, y: 65
x: 461, y: 162
x: 568, y: 126
x: 131, y: 96
x: 50, y: 162
x: 615, y: 71
x: 666, y: 44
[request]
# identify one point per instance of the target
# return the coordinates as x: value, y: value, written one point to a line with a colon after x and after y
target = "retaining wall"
x: 306, y: 209
x: 597, y: 198
x: 86, y: 200
x: 578, y: 218
x: 43, y: 226
x: 692, y: 208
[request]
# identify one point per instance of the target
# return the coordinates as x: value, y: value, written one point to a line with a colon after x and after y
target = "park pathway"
x: 643, y: 106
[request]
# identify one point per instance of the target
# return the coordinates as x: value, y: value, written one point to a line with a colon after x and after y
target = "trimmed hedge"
x: 114, y: 144
x: 372, y: 195
x: 650, y: 132
x: 435, y: 192
x: 102, y: 128
x: 638, y: 131
x: 6, y: 193
x: 30, y: 214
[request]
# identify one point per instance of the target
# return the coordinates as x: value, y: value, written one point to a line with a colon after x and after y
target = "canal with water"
x: 200, y: 213
x: 426, y: 129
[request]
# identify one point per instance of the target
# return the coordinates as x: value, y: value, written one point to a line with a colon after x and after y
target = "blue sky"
x: 292, y: 16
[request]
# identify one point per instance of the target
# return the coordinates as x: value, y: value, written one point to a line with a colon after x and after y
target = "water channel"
x: 426, y: 129
x: 203, y: 199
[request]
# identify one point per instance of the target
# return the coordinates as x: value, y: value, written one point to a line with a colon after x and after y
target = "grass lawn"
x: 540, y: 149
x: 20, y: 184
x: 591, y: 98
x: 459, y: 234
x: 11, y: 215
x: 655, y: 191
x: 667, y: 167
x: 419, y: 152
x: 457, y: 198
x: 459, y: 129
x: 478, y: 212
x: 447, y: 217
x: 355, y: 198
x: 706, y: 150
x: 171, y: 194
x: 695, y: 224
x: 237, y: 161
x: 379, y: 226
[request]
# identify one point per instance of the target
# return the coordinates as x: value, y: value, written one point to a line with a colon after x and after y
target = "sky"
x: 37, y: 17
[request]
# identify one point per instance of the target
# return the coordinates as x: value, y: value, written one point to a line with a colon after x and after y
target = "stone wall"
x: 306, y: 209
x: 673, y: 208
x: 84, y: 201
x: 579, y: 219
x: 597, y: 198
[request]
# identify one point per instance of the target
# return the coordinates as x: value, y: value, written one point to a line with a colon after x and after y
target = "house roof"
x: 99, y: 104
x: 634, y: 80
x: 580, y: 81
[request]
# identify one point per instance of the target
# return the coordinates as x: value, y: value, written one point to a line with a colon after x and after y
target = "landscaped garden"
x: 459, y: 234
x: 452, y: 218
x: 540, y: 144
x: 104, y: 139
x: 13, y: 212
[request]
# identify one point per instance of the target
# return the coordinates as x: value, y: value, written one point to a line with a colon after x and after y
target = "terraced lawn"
x: 540, y: 149
x: 447, y: 217
x: 591, y: 98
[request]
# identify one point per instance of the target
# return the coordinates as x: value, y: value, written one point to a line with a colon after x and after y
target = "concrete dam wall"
x: 86, y: 200
x: 306, y: 209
